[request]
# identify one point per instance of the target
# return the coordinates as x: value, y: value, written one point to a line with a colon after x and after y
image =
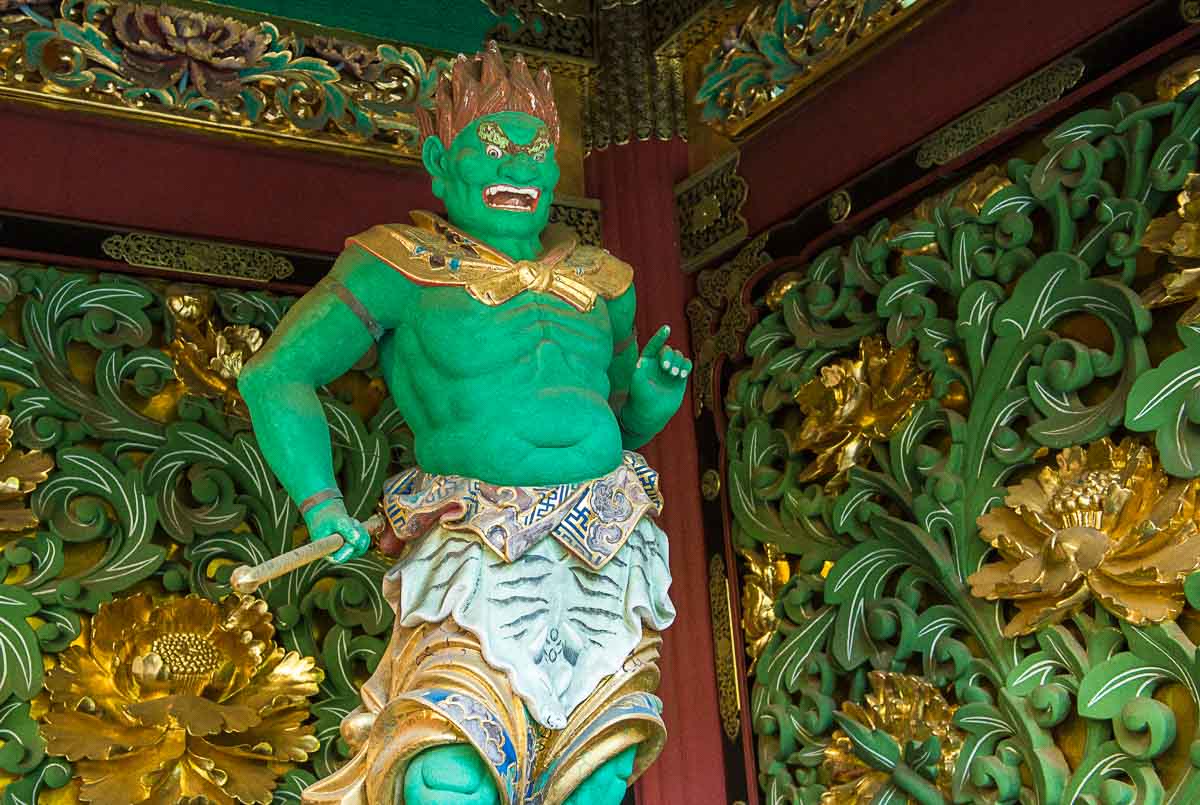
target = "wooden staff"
x: 248, y: 578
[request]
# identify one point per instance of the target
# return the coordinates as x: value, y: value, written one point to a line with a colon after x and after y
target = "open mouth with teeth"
x: 507, y: 197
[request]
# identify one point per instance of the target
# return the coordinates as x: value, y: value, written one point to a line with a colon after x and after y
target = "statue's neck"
x: 517, y: 248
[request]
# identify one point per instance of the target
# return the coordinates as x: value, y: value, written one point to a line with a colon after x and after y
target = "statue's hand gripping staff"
x: 248, y: 578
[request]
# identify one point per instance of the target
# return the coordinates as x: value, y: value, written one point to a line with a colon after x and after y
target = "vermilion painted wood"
x: 635, y: 184
x: 954, y: 61
x: 144, y: 177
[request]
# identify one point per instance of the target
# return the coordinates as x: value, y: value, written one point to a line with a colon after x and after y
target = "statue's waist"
x: 592, y: 519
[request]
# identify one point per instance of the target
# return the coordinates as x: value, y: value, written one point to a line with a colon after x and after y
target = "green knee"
x: 449, y: 775
x: 607, y: 784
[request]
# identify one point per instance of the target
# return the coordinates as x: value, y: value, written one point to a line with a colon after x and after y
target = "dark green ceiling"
x: 451, y: 25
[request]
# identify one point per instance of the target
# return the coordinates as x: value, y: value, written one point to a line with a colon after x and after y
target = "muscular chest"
x: 463, y: 335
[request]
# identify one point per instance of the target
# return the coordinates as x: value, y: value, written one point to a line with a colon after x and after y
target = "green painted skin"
x: 516, y: 394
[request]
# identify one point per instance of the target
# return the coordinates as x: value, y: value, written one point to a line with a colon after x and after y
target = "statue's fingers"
x: 659, y: 340
x: 686, y: 368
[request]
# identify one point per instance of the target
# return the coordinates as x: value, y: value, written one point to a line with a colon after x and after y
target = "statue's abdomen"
x: 515, y: 394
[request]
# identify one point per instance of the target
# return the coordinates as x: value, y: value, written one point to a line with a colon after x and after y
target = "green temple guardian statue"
x: 530, y: 584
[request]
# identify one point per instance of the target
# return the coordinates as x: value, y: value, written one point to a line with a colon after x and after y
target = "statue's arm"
x: 324, y: 334
x: 645, y: 390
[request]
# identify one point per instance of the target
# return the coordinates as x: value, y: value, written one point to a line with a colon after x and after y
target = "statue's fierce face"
x: 497, y: 178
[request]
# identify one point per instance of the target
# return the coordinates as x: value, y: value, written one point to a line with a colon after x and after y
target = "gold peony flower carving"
x: 178, y: 700
x: 853, y: 403
x: 1106, y: 524
x: 905, y: 707
x: 20, y: 473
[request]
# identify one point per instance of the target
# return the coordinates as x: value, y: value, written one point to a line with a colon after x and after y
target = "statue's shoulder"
x: 608, y: 275
x: 425, y: 257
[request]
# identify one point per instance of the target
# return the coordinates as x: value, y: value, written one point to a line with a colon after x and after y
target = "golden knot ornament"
x: 180, y: 699
x: 1105, y: 524
x: 905, y: 707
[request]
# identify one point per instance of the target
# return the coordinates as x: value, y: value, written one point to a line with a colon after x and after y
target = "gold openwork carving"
x: 197, y: 257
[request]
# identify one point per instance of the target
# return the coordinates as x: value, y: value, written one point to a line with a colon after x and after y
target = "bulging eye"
x: 494, y: 151
x: 539, y: 157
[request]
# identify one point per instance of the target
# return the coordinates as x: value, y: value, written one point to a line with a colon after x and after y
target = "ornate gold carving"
x: 710, y: 484
x: 582, y: 216
x: 207, y: 359
x: 905, y: 709
x: 20, y: 474
x: 180, y: 699
x: 1106, y: 524
x: 839, y: 206
x: 719, y: 317
x: 763, y: 577
x: 1177, y: 235
x: 708, y: 209
x: 854, y: 403
x: 1009, y: 107
x: 558, y: 26
x: 679, y: 26
x: 728, y: 691
x: 971, y: 195
x: 199, y: 257
x: 635, y: 94
x: 785, y: 47
x: 198, y: 70
x: 1190, y: 10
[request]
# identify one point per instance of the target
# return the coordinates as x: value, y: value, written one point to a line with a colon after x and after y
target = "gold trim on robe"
x: 433, y: 252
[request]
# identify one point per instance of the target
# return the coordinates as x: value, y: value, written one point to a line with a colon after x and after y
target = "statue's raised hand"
x: 659, y: 379
x: 332, y: 518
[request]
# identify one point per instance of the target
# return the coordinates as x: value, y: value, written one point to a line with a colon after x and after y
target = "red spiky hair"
x: 483, y: 85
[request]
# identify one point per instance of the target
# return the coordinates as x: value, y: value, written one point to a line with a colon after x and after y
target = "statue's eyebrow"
x: 491, y: 133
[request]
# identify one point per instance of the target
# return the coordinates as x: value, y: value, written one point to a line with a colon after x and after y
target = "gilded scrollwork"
x: 784, y: 46
x: 708, y: 209
x: 124, y: 473
x: 198, y: 257
x: 1013, y: 539
x: 719, y: 317
x: 165, y: 64
x: 1002, y: 112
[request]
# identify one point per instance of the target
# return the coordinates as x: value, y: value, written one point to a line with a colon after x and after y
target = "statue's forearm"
x: 640, y: 424
x: 292, y: 431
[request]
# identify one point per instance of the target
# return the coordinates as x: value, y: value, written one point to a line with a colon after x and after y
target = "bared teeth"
x: 510, y: 197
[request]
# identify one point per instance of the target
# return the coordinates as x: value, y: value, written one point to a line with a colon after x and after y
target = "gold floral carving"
x: 198, y: 257
x: 1177, y: 235
x: 720, y: 317
x: 1000, y: 113
x: 708, y: 209
x: 763, y: 576
x: 728, y: 692
x: 1105, y: 524
x: 20, y: 474
x: 179, y: 700
x: 906, y: 708
x: 854, y: 403
x: 208, y: 359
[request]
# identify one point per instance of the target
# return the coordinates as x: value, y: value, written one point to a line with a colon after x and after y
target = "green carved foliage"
x: 159, y: 486
x: 1018, y: 293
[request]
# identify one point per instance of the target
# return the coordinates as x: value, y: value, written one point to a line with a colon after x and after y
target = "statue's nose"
x: 518, y: 169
